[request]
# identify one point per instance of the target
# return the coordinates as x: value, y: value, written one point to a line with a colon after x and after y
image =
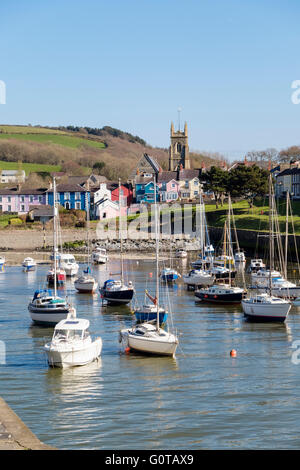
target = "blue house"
x: 144, y: 190
x: 70, y: 196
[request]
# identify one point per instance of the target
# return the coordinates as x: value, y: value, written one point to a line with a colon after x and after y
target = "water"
x: 202, y: 399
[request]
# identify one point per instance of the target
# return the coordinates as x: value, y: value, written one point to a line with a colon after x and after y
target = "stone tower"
x: 179, y: 149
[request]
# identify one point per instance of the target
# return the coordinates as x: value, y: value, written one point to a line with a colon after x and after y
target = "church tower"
x: 179, y: 149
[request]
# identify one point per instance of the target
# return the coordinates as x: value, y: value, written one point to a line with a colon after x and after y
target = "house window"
x: 186, y: 184
x: 9, y: 208
x: 22, y: 198
x: 0, y: 208
x: 9, y: 199
x: 104, y: 215
x: 41, y: 199
x: 173, y: 185
x: 30, y: 198
x: 22, y: 208
x: 67, y: 195
x: 0, y: 198
x: 77, y: 195
x: 77, y: 205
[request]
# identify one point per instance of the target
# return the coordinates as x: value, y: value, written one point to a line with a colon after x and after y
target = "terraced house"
x: 19, y: 200
x: 70, y: 196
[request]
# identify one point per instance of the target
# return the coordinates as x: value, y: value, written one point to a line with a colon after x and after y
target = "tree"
x: 98, y: 167
x: 248, y: 182
x: 290, y: 154
x: 217, y: 182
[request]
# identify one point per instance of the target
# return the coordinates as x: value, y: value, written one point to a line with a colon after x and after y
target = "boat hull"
x: 74, y: 357
x: 234, y: 298
x: 47, y: 317
x: 265, y: 312
x: 142, y: 316
x: 86, y: 287
x: 149, y: 346
x: 117, y: 297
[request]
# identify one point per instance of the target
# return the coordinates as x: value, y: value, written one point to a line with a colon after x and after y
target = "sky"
x: 228, y: 65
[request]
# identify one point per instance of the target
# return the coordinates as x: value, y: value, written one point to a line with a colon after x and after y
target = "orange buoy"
x: 127, y: 350
x: 233, y: 353
x: 150, y: 274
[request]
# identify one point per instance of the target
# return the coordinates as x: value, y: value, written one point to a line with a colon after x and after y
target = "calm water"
x: 203, y: 399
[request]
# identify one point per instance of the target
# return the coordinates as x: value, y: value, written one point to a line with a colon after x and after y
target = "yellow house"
x: 189, y: 184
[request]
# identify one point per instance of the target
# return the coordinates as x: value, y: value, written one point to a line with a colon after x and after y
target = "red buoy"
x: 233, y: 353
x: 127, y: 350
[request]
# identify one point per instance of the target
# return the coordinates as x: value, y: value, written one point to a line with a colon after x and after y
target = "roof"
x: 166, y: 176
x: 68, y: 187
x: 142, y: 180
x: 12, y: 172
x: 20, y: 192
x: 41, y: 211
x: 152, y: 162
x: 73, y: 324
x: 186, y: 174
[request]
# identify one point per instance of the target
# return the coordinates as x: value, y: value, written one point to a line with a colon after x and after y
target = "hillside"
x: 76, y: 150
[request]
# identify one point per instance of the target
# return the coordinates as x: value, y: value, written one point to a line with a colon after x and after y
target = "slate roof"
x: 68, y: 188
x: 166, y: 176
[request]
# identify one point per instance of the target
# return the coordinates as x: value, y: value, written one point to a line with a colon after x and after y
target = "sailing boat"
x: 149, y: 337
x: 86, y: 283
x: 59, y: 273
x: 116, y: 291
x: 224, y: 293
x: 46, y: 307
x: 168, y: 273
x: 266, y: 307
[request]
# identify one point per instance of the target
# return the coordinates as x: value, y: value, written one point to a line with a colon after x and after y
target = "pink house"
x: 18, y: 200
x: 168, y: 186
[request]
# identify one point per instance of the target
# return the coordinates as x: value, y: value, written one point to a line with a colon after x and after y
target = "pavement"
x: 14, y: 434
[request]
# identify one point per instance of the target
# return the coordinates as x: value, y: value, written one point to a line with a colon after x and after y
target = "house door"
x: 67, y: 205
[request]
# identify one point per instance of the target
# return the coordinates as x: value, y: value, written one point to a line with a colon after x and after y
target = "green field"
x: 29, y: 167
x: 29, y: 130
x: 65, y: 140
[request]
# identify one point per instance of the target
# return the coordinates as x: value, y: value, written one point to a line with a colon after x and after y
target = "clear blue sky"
x: 130, y: 64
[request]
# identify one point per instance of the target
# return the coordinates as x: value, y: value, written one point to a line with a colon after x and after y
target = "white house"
x: 13, y: 176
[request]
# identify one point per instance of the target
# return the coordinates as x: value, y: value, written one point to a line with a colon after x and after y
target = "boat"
x: 180, y: 253
x: 169, y: 275
x: 46, y: 307
x: 68, y: 264
x: 261, y: 278
x: 71, y: 344
x: 256, y: 264
x: 2, y: 263
x: 99, y: 255
x: 117, y: 291
x: 148, y: 313
x: 198, y: 277
x: 221, y: 294
x: 239, y: 257
x: 57, y: 276
x: 149, y: 337
x: 86, y: 283
x: 266, y: 307
x: 29, y: 264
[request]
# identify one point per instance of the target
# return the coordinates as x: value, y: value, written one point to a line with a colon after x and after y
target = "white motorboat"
x: 2, y: 262
x: 198, y: 277
x: 282, y: 288
x: 29, y: 264
x: 68, y: 263
x: 261, y: 278
x: 180, y: 253
x: 72, y: 344
x: 256, y: 264
x: 99, y: 255
x: 265, y: 307
x: 239, y: 257
x: 146, y: 338
x: 86, y: 284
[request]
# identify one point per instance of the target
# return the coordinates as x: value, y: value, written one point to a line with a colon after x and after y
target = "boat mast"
x: 54, y: 235
x: 286, y: 233
x: 271, y: 239
x: 88, y: 223
x: 157, y: 256
x: 120, y: 234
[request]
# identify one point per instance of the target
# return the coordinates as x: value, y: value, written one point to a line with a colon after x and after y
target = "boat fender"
x: 215, y: 296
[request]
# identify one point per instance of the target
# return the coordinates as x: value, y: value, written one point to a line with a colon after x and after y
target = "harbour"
x: 201, y: 399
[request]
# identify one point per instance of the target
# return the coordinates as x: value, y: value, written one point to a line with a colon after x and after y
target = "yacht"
x: 198, y: 277
x: 46, y: 308
x: 68, y: 263
x: 221, y: 294
x: 116, y: 292
x: 266, y: 308
x: 99, y: 255
x: 256, y: 264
